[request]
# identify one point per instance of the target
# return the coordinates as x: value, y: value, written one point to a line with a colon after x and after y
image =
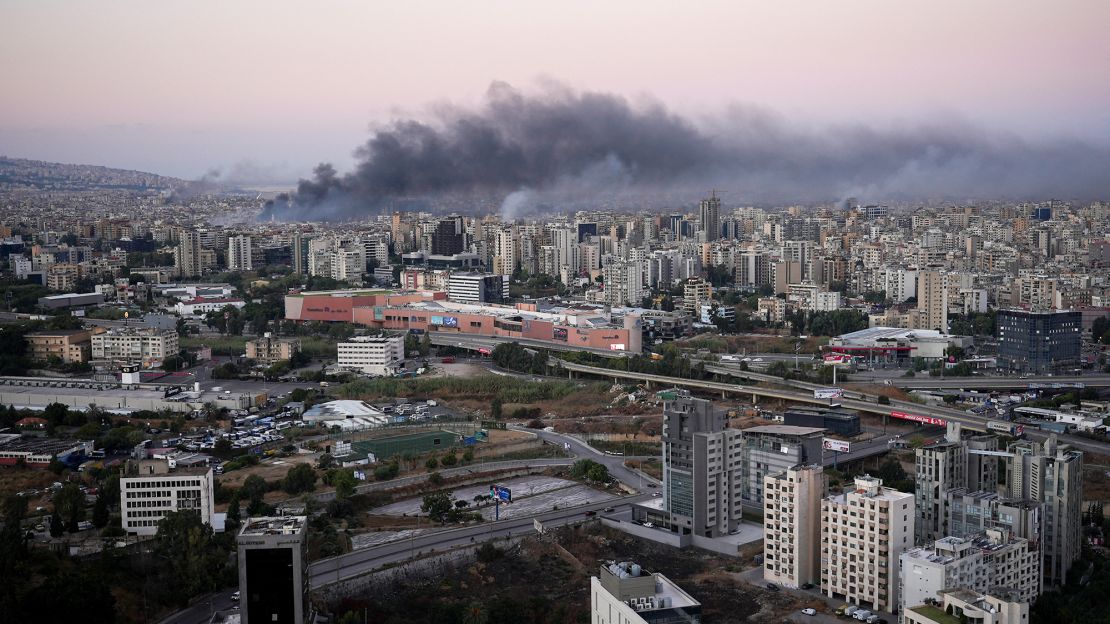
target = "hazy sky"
x: 179, y: 87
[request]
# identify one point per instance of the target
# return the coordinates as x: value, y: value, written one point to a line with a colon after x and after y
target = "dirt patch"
x: 269, y: 469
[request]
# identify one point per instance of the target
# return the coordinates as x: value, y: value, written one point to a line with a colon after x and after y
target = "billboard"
x: 840, y: 446
x: 928, y: 420
x: 828, y: 393
x: 837, y: 358
x: 502, y: 493
x: 559, y: 333
x: 450, y: 321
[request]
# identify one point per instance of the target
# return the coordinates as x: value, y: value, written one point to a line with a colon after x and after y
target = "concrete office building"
x: 273, y: 564
x: 1038, y: 342
x: 477, y: 287
x: 988, y: 561
x: 1051, y: 473
x: 772, y: 449
x: 371, y: 355
x: 71, y: 346
x: 149, y: 490
x: 792, y: 526
x: 624, y: 593
x: 701, y: 473
x: 865, y: 530
x: 837, y: 420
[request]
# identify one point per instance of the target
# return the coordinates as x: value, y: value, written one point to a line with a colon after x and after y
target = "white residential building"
x: 864, y: 531
x: 371, y: 355
x: 792, y: 526
x: 153, y: 491
x: 348, y: 264
x: 984, y: 562
x: 624, y: 593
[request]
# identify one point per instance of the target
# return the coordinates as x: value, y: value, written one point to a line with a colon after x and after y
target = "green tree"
x: 70, y: 503
x: 425, y: 344
x: 495, y: 408
x: 57, y: 528
x: 344, y: 482
x: 191, y: 556
x: 300, y: 478
x: 590, y: 470
x: 450, y: 459
x: 432, y: 463
x: 438, y: 506
x: 100, y: 515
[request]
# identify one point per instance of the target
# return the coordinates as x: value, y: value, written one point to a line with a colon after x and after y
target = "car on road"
x: 608, y: 509
x: 809, y: 611
x: 657, y: 494
x: 772, y: 587
x: 591, y: 513
x: 807, y: 585
x: 649, y: 525
x: 40, y: 528
x: 235, y: 596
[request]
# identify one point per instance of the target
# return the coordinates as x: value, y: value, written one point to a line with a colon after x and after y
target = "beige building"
x: 932, y: 301
x: 72, y: 346
x: 147, y: 345
x: 269, y: 350
x: 953, y: 606
x: 695, y: 293
x: 792, y: 526
x: 864, y: 532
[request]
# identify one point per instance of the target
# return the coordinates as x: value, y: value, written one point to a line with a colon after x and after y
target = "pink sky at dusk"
x: 179, y: 87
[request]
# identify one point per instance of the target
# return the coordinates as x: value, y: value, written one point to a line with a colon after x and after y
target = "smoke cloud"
x: 559, y: 149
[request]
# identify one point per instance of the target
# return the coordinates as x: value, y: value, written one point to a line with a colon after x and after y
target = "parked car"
x: 235, y: 596
x: 809, y: 611
x: 807, y: 585
x: 772, y: 587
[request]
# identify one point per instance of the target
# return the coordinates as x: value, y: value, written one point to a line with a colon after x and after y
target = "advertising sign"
x: 828, y: 393
x: 501, y: 492
x: 840, y: 446
x: 928, y: 420
x: 837, y: 358
x: 450, y: 321
x: 559, y: 333
x: 437, y: 320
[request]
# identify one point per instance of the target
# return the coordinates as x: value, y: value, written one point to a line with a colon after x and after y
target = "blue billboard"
x: 501, y: 492
x: 450, y: 321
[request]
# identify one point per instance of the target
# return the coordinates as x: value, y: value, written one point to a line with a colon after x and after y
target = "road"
x: 334, y: 569
x: 970, y: 421
x: 201, y: 611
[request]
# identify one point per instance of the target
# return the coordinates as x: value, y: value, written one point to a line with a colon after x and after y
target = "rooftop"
x: 783, y: 430
x: 342, y: 409
x: 269, y: 525
x: 935, y: 614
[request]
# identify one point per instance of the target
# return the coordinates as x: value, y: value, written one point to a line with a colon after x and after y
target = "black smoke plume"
x: 561, y: 148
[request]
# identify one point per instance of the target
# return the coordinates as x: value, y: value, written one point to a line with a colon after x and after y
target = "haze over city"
x: 261, y: 92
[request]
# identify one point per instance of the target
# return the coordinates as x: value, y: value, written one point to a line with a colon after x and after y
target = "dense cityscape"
x: 554, y: 313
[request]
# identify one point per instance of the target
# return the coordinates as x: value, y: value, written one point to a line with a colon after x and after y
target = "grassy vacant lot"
x: 314, y: 346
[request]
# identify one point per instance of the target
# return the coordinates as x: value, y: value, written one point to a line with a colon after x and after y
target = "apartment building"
x: 988, y: 561
x: 269, y: 350
x: 695, y: 293
x: 239, y: 256
x: 864, y: 532
x: 701, y: 468
x: 150, y: 490
x: 371, y: 355
x: 792, y: 525
x: 148, y: 345
x: 949, y: 464
x: 71, y: 346
x: 1051, y: 473
x: 625, y: 593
